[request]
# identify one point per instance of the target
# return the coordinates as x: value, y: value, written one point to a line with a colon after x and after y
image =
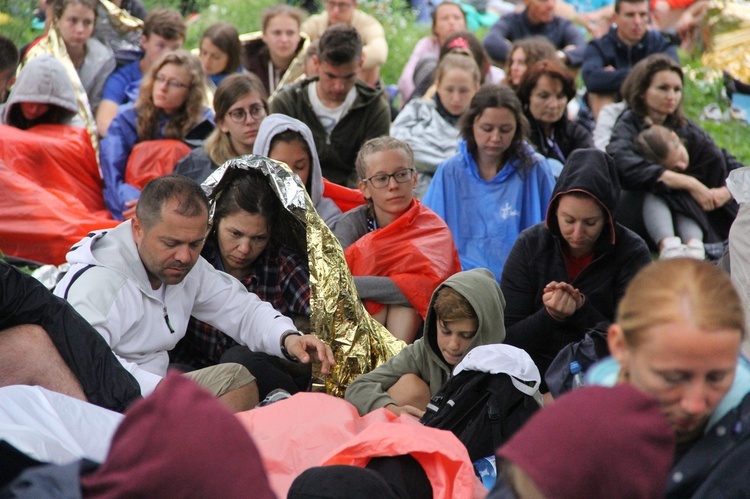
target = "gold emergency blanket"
x: 121, y: 20
x: 728, y: 29
x: 337, y: 316
x: 53, y: 44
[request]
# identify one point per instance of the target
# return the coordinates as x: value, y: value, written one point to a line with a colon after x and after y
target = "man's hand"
x: 302, y: 347
x: 405, y: 409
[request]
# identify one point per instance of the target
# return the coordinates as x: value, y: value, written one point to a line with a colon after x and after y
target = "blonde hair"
x: 679, y: 290
x: 458, y: 61
x: 179, y: 123
x: 378, y: 144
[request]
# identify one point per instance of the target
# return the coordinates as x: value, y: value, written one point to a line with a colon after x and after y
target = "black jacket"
x: 537, y: 258
x: 24, y: 300
x: 609, y: 50
x: 569, y: 136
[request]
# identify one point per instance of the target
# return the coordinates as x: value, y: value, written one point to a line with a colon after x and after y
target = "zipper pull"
x: 166, y: 319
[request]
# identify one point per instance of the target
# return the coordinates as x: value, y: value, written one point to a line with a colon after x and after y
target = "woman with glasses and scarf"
x: 398, y: 250
x: 240, y: 105
x: 169, y: 106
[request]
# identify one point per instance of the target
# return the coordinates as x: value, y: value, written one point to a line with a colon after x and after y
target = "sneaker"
x: 275, y: 396
x: 672, y: 248
x: 695, y: 249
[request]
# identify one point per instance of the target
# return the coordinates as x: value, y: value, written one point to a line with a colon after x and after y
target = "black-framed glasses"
x: 257, y: 111
x: 170, y: 83
x: 381, y: 181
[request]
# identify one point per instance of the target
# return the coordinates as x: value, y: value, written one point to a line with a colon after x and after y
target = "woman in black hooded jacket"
x: 567, y: 274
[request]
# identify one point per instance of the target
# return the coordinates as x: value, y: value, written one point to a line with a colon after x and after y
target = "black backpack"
x: 482, y: 409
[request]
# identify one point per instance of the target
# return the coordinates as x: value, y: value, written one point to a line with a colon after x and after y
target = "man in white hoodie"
x: 139, y: 283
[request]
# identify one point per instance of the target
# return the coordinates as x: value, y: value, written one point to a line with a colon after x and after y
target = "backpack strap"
x: 74, y: 278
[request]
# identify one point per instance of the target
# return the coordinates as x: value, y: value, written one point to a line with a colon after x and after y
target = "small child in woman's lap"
x: 677, y: 234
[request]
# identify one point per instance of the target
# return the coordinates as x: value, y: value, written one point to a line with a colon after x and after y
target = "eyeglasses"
x: 339, y: 5
x: 257, y: 111
x: 170, y: 83
x: 382, y: 181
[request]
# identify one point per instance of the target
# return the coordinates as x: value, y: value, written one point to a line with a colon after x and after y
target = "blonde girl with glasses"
x: 241, y: 106
x: 169, y: 106
x: 398, y: 250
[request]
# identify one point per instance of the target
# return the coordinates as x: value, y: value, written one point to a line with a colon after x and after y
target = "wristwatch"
x: 283, y: 346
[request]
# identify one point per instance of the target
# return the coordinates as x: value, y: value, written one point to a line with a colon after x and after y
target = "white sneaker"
x: 672, y: 248
x: 695, y: 249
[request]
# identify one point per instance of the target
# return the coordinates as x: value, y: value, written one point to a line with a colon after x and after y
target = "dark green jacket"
x: 423, y: 358
x: 369, y: 117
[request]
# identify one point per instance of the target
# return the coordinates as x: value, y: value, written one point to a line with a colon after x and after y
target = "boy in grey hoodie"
x: 465, y: 311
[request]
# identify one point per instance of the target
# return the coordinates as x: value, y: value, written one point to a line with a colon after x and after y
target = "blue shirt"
x: 123, y: 85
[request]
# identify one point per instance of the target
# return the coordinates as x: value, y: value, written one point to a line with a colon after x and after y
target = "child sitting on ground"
x: 398, y: 250
x: 466, y: 311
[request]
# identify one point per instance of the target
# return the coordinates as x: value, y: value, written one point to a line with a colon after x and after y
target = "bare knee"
x: 412, y: 390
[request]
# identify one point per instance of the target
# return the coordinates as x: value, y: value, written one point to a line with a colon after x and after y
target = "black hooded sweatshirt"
x: 537, y: 258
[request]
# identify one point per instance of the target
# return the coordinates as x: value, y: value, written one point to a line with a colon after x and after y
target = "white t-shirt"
x: 328, y: 116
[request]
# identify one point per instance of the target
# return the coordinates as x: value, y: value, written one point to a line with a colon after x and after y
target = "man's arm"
x: 496, y: 43
x: 375, y: 46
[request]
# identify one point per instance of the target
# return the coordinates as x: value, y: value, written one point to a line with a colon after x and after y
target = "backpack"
x: 482, y: 409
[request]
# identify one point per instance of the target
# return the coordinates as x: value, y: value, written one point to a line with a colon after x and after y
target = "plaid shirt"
x: 282, y: 280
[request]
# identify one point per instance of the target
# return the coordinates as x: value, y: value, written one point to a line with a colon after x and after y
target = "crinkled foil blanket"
x: 337, y: 316
x: 727, y: 30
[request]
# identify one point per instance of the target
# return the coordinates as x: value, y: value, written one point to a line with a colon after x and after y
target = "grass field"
x: 702, y: 86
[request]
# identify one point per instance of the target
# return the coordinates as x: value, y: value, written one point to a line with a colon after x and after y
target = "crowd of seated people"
x: 481, y: 212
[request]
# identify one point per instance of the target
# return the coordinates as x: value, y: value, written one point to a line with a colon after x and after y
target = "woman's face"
x: 294, y: 155
x: 687, y: 368
x: 664, y: 95
x: 548, y: 100
x: 242, y: 237
x: 581, y: 222
x: 493, y: 132
x: 244, y: 131
x: 449, y: 19
x: 456, y: 88
x: 393, y: 199
x: 214, y: 60
x: 171, y: 88
x: 517, y: 66
x: 76, y: 25
x: 282, y: 36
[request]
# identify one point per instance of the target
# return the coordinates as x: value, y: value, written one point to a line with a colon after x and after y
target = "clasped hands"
x: 562, y: 300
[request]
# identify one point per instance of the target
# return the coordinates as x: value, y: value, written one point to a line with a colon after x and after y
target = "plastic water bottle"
x: 577, y: 372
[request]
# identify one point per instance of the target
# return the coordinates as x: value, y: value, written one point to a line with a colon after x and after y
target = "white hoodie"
x: 278, y: 123
x: 141, y: 324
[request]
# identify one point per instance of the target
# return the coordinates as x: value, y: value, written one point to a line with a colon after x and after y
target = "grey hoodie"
x: 278, y: 123
x: 42, y: 80
x: 423, y: 358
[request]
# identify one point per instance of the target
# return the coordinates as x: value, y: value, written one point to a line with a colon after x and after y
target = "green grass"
x: 702, y: 86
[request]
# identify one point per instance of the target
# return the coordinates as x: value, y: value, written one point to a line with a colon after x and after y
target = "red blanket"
x: 345, y: 198
x: 51, y: 191
x: 153, y: 158
x: 416, y: 251
x: 314, y: 429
